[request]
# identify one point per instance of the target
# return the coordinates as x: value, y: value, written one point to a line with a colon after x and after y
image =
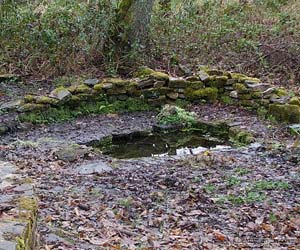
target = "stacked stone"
x: 18, y: 223
x: 158, y: 88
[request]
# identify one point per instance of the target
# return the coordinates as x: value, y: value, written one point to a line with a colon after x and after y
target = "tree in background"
x: 132, y: 20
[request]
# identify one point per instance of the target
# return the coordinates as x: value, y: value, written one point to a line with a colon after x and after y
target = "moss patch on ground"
x: 59, y: 114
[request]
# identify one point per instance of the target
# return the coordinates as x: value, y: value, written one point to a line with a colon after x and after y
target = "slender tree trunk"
x: 133, y: 18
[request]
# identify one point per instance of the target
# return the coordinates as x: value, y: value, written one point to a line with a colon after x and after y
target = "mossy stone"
x: 99, y: 88
x: 83, y: 89
x: 192, y: 78
x: 215, y: 72
x: 117, y: 91
x: 281, y: 92
x: 160, y: 76
x: 285, y: 112
x: 47, y: 100
x: 295, y: 101
x: 217, y: 82
x: 152, y: 93
x: 75, y: 100
x: 256, y: 94
x: 143, y: 72
x: 197, y: 85
x: 241, y: 88
x: 245, y: 97
x: 61, y: 93
x: 178, y: 83
x: 209, y: 94
x: 29, y: 98
x: 31, y: 107
x: 158, y: 101
x: 239, y: 135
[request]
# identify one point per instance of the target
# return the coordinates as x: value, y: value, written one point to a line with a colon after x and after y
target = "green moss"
x: 116, y: 81
x: 31, y: 107
x: 240, y: 88
x: 285, y: 112
x: 29, y: 98
x: 83, y: 89
x: 240, y: 136
x: 209, y: 94
x: 197, y: 85
x: 281, y: 92
x: 178, y: 83
x: 101, y: 106
x: 143, y: 72
x: 72, y: 89
x: 217, y: 82
x: 47, y: 100
x: 295, y: 101
x: 214, y: 72
x: 256, y: 94
x: 28, y: 211
x: 99, y: 88
x: 160, y: 76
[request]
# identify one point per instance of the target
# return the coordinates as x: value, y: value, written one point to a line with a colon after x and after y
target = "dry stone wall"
x: 157, y: 88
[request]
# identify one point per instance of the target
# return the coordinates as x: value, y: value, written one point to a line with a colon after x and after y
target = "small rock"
x: 10, y: 105
x: 183, y: 151
x: 203, y: 76
x: 172, y: 96
x: 257, y: 86
x: 93, y: 168
x: 70, y: 153
x: 91, y: 82
x: 61, y: 94
x: 233, y: 94
x: 198, y: 150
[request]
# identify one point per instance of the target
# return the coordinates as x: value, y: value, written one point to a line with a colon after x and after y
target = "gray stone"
x: 91, y: 82
x: 203, y: 76
x: 107, y: 86
x: 230, y: 82
x: 172, y: 96
x: 147, y: 83
x: 159, y: 84
x: 13, y: 105
x: 198, y: 150
x: 257, y: 86
x: 233, y: 94
x: 98, y: 167
x: 61, y: 94
x: 183, y: 151
x: 269, y: 91
x: 72, y: 152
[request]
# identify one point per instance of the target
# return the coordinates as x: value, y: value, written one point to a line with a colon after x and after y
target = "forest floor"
x: 237, y: 198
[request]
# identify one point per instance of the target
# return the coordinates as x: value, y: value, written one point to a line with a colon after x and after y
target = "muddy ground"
x: 239, y: 198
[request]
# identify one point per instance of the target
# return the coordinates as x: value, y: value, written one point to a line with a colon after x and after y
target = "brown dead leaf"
x: 268, y: 227
x: 219, y: 236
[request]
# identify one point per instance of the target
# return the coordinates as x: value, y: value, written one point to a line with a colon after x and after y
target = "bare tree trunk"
x: 133, y: 18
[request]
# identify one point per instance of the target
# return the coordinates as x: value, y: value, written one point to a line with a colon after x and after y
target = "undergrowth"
x: 51, y: 38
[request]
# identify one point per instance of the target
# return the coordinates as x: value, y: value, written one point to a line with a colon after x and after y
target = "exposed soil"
x: 241, y: 198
